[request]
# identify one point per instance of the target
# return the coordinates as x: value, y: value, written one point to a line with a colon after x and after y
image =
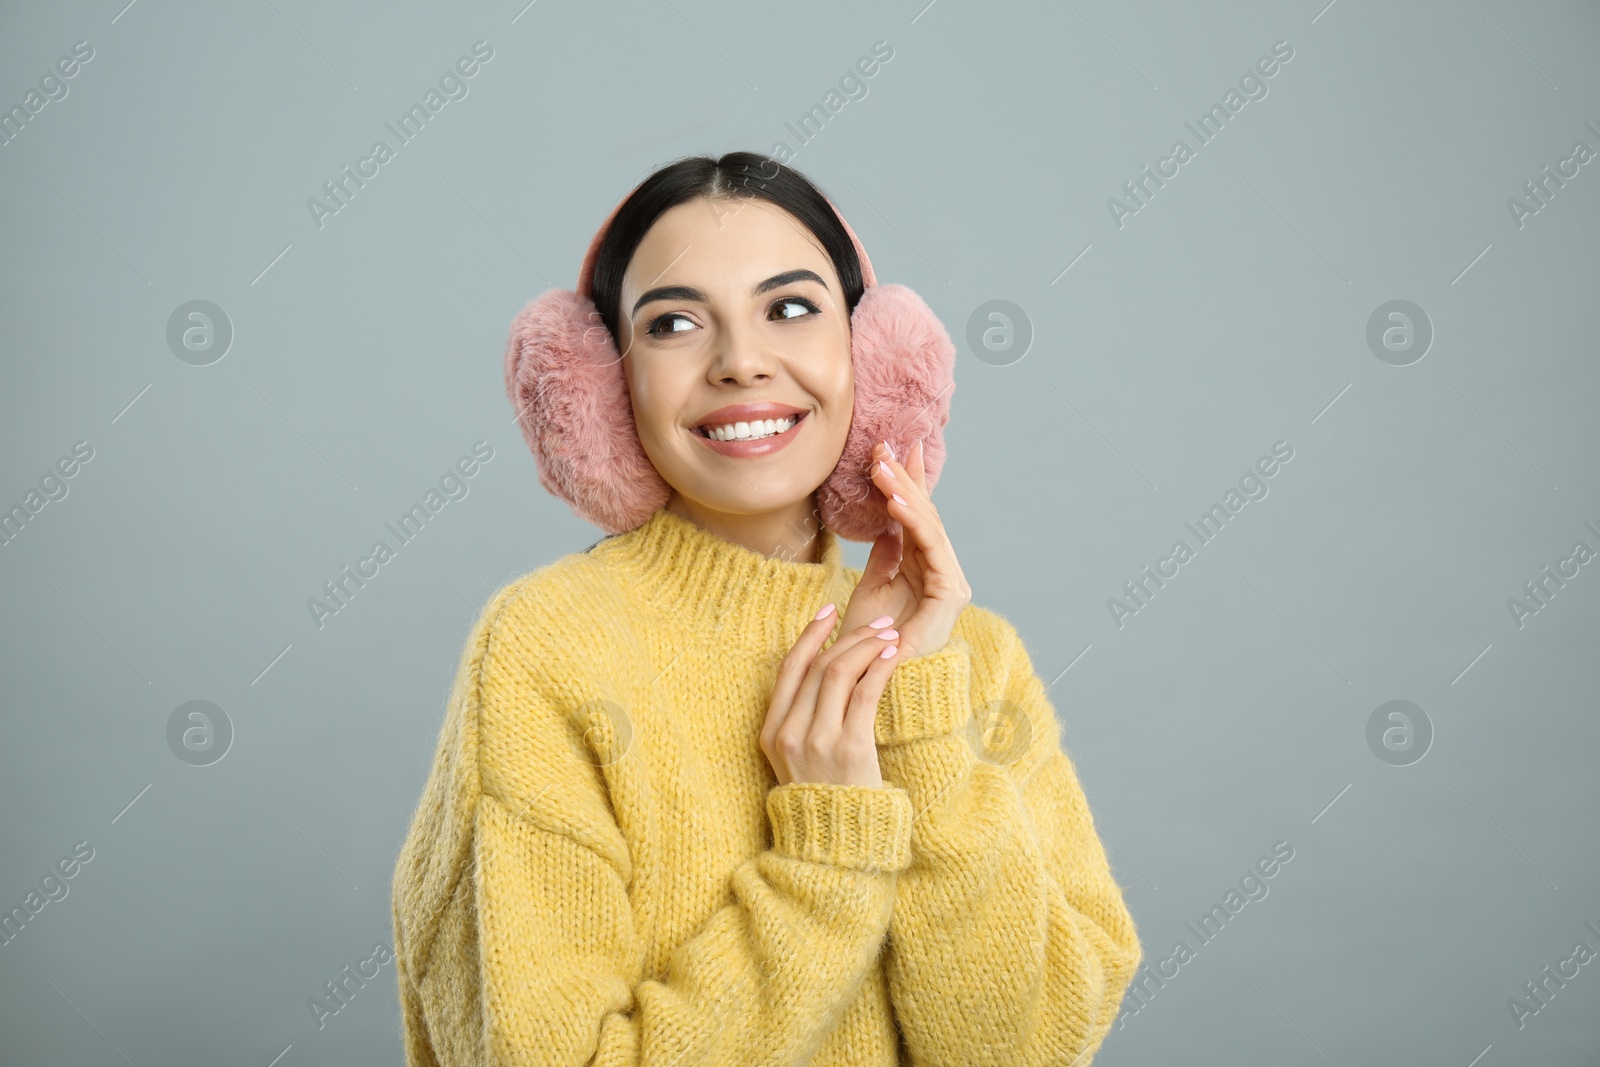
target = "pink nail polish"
x: 888, y: 650
x: 881, y: 621
x: 888, y: 635
x: 898, y: 499
x: 827, y: 609
x: 885, y: 468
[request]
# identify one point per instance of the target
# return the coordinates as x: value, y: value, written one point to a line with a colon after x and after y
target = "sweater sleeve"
x: 1010, y: 942
x: 531, y: 951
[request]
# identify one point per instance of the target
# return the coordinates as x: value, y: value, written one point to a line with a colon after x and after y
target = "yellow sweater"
x: 602, y: 869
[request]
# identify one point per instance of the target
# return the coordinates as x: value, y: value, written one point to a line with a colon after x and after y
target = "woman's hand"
x: 921, y: 584
x: 819, y: 724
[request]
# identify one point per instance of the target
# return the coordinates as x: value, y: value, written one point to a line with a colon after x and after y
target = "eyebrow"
x: 689, y: 292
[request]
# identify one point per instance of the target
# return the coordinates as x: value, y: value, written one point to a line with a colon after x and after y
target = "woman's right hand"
x: 819, y: 724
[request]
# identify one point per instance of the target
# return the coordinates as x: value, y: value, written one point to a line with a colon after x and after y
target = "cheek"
x: 657, y: 396
x: 640, y: 390
x: 834, y: 381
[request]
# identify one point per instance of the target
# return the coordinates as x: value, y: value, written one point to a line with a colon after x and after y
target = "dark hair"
x: 736, y: 174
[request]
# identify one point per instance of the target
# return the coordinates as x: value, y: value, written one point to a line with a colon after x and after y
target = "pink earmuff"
x: 564, y: 377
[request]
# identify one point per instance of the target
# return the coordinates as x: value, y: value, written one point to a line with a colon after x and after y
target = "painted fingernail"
x: 885, y: 468
x: 890, y: 447
x: 888, y: 651
x: 888, y: 635
x: 898, y: 499
x: 827, y: 609
x: 881, y: 621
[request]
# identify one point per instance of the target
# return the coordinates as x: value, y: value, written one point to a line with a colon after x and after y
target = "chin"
x: 754, y: 502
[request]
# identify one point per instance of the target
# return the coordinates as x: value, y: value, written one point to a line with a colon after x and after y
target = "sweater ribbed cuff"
x: 927, y: 696
x: 851, y: 826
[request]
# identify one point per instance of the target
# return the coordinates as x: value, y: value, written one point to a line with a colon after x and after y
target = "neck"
x: 787, y: 533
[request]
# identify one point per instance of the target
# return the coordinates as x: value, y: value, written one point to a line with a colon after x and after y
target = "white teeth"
x: 750, y: 431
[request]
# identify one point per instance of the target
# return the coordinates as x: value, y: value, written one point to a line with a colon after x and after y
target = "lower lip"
x: 762, y: 447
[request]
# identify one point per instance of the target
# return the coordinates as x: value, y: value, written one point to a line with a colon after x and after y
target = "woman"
x: 678, y: 814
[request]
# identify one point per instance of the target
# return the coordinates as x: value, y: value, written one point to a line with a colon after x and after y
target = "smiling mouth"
x: 798, y: 419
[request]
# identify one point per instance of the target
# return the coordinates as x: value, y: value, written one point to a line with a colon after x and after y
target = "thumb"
x: 883, y: 561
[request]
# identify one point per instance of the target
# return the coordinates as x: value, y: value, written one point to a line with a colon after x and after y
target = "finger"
x: 918, y: 515
x: 937, y: 571
x: 916, y: 465
x: 862, y: 714
x: 894, y: 480
x: 839, y: 680
x: 792, y: 672
x: 905, y: 482
x: 900, y: 550
x: 804, y: 705
x: 914, y: 570
x: 889, y: 477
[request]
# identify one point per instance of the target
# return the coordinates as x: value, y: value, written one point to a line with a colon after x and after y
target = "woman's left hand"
x: 928, y: 588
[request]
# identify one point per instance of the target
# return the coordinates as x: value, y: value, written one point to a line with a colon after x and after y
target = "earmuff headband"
x: 565, y: 381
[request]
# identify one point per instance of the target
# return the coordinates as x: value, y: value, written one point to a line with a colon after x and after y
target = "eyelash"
x: 650, y: 329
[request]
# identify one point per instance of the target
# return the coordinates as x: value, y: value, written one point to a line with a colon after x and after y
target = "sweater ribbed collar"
x: 701, y: 581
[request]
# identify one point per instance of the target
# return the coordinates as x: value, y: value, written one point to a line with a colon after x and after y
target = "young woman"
x: 704, y: 795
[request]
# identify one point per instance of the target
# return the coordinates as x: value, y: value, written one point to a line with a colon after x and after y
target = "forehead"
x: 724, y: 244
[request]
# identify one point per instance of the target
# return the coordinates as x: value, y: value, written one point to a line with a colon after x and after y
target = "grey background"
x: 1228, y: 314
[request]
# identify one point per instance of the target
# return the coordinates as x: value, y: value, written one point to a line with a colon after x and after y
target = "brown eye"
x: 652, y: 330
x: 794, y: 301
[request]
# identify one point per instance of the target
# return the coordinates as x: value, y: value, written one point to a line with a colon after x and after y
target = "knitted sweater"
x: 602, y: 869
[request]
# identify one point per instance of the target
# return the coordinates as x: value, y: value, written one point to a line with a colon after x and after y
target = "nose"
x: 741, y: 356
